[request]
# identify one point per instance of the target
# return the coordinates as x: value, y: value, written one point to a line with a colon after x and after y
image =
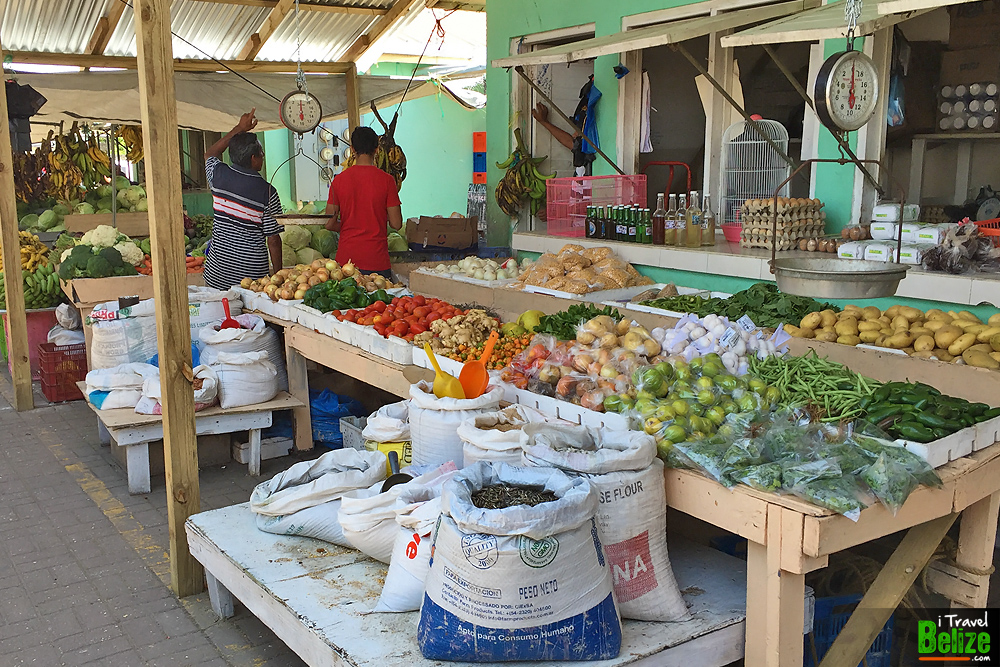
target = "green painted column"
x: 277, y: 149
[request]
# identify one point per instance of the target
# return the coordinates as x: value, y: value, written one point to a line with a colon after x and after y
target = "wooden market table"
x: 316, y: 597
x: 134, y: 432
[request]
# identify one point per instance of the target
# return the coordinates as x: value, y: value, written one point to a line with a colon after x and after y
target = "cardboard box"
x: 970, y: 66
x: 91, y: 291
x: 974, y: 15
x: 456, y: 233
x: 970, y: 37
x: 129, y: 224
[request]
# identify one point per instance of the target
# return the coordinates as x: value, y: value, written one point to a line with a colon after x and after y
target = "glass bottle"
x: 680, y: 222
x: 670, y: 223
x: 590, y: 224
x: 647, y: 226
x: 693, y: 227
x: 659, y: 222
x: 707, y: 223
x: 630, y: 214
x: 609, y: 226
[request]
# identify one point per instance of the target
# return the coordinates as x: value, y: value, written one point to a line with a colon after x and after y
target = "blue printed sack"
x: 521, y: 583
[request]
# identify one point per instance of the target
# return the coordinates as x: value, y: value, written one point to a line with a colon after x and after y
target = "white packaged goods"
x: 388, y: 424
x: 852, y: 250
x: 884, y: 231
x: 68, y: 317
x: 521, y: 583
x: 910, y: 254
x: 434, y: 422
x: 931, y: 234
x: 880, y: 252
x: 245, y: 379
x: 255, y: 336
x: 368, y: 516
x: 910, y: 230
x: 205, y: 394
x: 305, y: 499
x: 889, y: 212
x: 418, y: 511
x: 496, y: 436
x: 122, y: 335
x: 632, y: 512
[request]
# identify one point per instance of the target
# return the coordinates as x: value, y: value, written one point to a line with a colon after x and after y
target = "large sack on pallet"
x: 632, y: 513
x: 305, y: 499
x: 123, y: 335
x: 390, y: 423
x: 496, y: 436
x: 119, y: 386
x: 255, y: 336
x: 247, y: 378
x: 205, y: 387
x: 521, y: 583
x: 368, y: 516
x: 434, y: 422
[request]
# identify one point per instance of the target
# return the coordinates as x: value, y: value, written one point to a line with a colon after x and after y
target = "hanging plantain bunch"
x: 131, y: 137
x: 60, y: 166
x: 389, y: 156
x: 522, y: 181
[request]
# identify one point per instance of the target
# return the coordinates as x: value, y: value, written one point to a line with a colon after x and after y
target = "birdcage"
x: 751, y: 169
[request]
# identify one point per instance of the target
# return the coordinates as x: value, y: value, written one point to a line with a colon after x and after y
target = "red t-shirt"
x: 364, y: 194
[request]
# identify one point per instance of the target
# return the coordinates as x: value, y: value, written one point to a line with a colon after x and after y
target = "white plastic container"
x: 889, y: 212
x: 884, y: 231
x: 880, y: 252
x: 852, y: 250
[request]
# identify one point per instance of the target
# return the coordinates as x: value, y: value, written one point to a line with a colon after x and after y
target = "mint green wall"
x: 436, y: 135
x: 277, y: 149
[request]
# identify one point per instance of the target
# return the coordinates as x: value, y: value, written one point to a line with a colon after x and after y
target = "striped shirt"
x: 245, y: 209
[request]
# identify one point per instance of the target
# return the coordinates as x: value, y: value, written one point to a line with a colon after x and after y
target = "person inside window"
x: 583, y: 151
x: 245, y: 230
x: 363, y: 198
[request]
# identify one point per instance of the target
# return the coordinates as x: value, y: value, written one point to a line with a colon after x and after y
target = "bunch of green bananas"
x: 389, y: 156
x: 60, y: 166
x: 522, y: 181
x: 41, y: 288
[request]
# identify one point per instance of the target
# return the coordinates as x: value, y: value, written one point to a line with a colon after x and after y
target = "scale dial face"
x: 326, y: 154
x: 326, y: 136
x: 847, y: 91
x: 300, y: 111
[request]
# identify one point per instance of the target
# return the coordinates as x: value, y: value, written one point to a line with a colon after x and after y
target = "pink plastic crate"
x: 568, y: 199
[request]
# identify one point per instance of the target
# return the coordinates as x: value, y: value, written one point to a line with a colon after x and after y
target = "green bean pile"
x: 816, y: 381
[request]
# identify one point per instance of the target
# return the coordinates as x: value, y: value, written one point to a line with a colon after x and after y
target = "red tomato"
x: 410, y: 336
x: 378, y: 306
x: 419, y: 300
x: 432, y: 317
x: 387, y: 319
x: 421, y: 311
x: 418, y: 327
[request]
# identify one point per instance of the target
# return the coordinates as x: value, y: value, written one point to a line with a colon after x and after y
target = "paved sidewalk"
x: 83, y: 565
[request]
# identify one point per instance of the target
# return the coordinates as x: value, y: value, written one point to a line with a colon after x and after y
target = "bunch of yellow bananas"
x: 131, y: 137
x: 34, y: 253
x: 522, y: 180
x: 60, y: 166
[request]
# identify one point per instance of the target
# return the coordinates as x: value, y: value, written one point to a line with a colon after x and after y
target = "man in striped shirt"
x: 245, y: 231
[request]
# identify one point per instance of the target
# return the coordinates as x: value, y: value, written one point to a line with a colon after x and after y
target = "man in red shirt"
x: 362, y: 199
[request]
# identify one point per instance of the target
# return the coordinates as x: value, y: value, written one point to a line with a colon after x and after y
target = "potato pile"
x: 580, y: 270
x: 951, y: 337
x: 798, y: 218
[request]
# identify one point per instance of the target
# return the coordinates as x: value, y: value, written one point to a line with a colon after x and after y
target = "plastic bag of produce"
x: 434, y: 422
x: 68, y: 317
x: 305, y: 499
x: 520, y: 582
x: 632, y: 513
x: 496, y: 436
x: 255, y: 336
x: 245, y: 378
x: 390, y: 423
x: 841, y: 494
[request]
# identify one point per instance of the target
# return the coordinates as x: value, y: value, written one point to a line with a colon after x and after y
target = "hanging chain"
x: 300, y: 77
x: 852, y: 12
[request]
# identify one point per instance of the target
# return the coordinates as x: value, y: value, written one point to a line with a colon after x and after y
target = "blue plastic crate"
x: 831, y: 616
x: 478, y: 162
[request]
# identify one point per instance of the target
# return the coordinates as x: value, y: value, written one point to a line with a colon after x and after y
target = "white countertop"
x: 729, y: 259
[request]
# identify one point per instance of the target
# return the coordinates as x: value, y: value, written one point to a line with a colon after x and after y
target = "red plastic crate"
x: 478, y: 177
x: 61, y: 368
x: 478, y: 142
x: 568, y: 199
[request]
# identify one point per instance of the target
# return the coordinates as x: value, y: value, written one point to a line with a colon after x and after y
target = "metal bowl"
x: 835, y: 278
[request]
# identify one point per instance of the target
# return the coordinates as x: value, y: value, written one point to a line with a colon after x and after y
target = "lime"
x: 696, y: 364
x: 666, y: 370
x: 711, y: 369
x: 714, y: 358
x: 726, y: 381
x: 706, y: 397
x: 681, y: 408
x: 613, y: 403
x: 757, y: 385
x: 682, y: 422
x: 704, y: 383
x: 652, y: 426
x: 665, y: 413
x: 772, y: 395
x: 683, y: 373
x: 674, y: 433
x: 716, y: 415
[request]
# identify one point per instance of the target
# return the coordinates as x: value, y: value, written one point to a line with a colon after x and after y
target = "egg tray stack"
x: 798, y: 218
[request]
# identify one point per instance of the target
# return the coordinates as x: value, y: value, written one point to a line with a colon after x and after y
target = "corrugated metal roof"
x: 44, y: 25
x: 325, y: 35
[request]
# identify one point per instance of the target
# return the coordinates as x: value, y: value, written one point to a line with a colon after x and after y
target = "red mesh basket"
x: 568, y: 198
x: 62, y: 367
x: 990, y: 228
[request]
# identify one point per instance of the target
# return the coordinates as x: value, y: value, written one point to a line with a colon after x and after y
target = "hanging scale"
x: 847, y: 86
x: 300, y: 110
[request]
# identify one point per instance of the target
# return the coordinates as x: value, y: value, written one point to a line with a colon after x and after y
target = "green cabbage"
x: 324, y: 242
x: 61, y: 209
x: 288, y: 257
x: 296, y: 236
x: 121, y: 183
x: 142, y: 205
x: 308, y: 209
x: 83, y: 209
x: 397, y: 243
x: 307, y: 256
x: 47, y: 219
x: 28, y: 221
x: 104, y: 192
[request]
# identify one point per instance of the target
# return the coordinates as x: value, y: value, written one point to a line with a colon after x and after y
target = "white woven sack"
x: 434, y: 422
x: 632, y: 514
x: 390, y: 423
x: 305, y: 499
x: 122, y: 376
x: 482, y: 442
x: 521, y: 583
x: 245, y: 379
x: 256, y: 336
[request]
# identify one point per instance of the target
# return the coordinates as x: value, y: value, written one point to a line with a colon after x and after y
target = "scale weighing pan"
x: 835, y: 278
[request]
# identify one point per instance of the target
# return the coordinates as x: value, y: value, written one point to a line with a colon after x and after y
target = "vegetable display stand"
x: 39, y: 323
x: 315, y: 596
x: 787, y: 538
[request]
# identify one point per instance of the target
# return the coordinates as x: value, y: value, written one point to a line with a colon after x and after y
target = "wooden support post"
x: 298, y: 386
x: 353, y: 108
x: 976, y: 541
x: 785, y: 595
x: 885, y: 593
x: 158, y: 106
x: 17, y: 344
x: 756, y: 646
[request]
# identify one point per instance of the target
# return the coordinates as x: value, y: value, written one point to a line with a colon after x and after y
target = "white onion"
x: 479, y: 274
x: 489, y: 274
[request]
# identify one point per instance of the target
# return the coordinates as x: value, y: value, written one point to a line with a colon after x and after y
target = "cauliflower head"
x: 102, y: 236
x: 131, y: 253
x: 66, y: 253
